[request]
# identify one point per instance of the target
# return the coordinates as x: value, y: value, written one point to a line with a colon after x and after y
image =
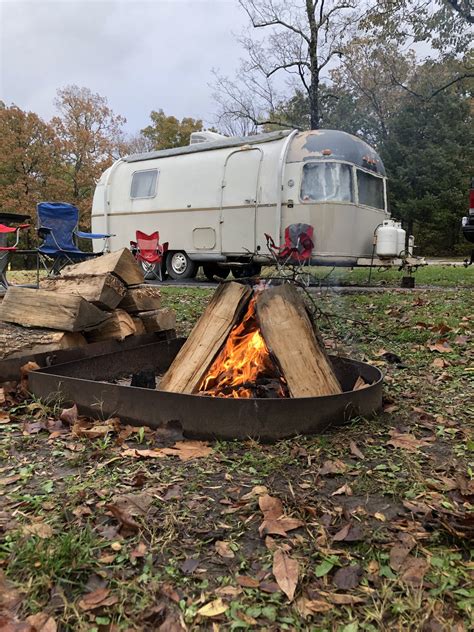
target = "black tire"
x: 212, y: 270
x: 180, y: 266
x: 249, y: 270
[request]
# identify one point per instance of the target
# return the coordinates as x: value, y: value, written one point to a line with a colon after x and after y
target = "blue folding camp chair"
x: 57, y: 226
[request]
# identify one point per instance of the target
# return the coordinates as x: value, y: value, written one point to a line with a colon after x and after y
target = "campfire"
x: 244, y: 367
x: 253, y: 344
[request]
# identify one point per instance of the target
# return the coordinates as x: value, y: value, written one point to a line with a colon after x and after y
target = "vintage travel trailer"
x: 215, y: 200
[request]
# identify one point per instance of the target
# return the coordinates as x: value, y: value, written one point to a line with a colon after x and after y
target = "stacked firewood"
x: 99, y: 299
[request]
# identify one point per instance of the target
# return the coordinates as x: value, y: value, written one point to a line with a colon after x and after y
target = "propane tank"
x: 401, y: 235
x: 411, y: 245
x: 387, y: 239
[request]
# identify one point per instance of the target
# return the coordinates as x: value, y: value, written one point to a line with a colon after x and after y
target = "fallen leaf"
x: 42, y: 622
x: 258, y: 490
x: 139, y: 551
x: 127, y: 523
x: 40, y: 529
x: 441, y: 347
x: 8, y: 480
x: 286, y: 572
x: 247, y: 582
x: 345, y: 489
x: 223, y: 549
x: 10, y: 597
x: 413, y: 570
x: 97, y: 599
x: 229, y: 591
x: 187, y: 450
x: 438, y: 363
x: 348, y: 577
x: 135, y: 504
x: 400, y: 551
x: 272, y: 508
x: 307, y: 607
x: 4, y: 417
x: 189, y: 565
x: 213, y: 608
x: 407, y: 441
x: 355, y: 450
x: 332, y: 467
x: 342, y: 600
x: 2, y: 396
x: 69, y: 415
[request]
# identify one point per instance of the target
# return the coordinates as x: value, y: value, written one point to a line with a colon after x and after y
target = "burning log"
x: 293, y: 340
x: 193, y: 360
x: 271, y: 351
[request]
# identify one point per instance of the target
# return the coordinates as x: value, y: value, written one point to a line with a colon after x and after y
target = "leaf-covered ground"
x: 368, y: 527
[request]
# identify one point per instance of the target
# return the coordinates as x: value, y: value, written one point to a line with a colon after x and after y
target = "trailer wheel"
x: 212, y: 270
x: 250, y: 270
x: 180, y: 266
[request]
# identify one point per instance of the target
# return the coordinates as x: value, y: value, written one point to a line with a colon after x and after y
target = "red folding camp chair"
x: 7, y: 251
x: 294, y: 256
x: 149, y: 253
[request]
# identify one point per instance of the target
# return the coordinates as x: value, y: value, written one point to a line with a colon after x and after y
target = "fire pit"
x: 86, y: 382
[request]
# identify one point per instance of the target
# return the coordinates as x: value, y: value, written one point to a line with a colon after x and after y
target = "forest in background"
x: 397, y: 73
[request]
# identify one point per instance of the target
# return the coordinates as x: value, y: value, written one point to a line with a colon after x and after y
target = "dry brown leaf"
x: 69, y: 415
x: 97, y: 599
x: 247, y: 582
x: 347, y: 577
x: 355, y: 450
x: 229, y: 591
x: 400, y: 551
x: 345, y: 489
x: 139, y: 551
x: 272, y: 508
x: 40, y: 529
x: 42, y: 622
x: 127, y: 523
x: 135, y: 504
x: 213, y: 608
x: 307, y: 607
x: 441, y: 347
x: 407, y: 441
x: 4, y: 417
x: 286, y: 572
x: 223, y: 549
x: 332, y: 467
x: 187, y: 450
x: 438, y: 363
x: 10, y: 597
x: 413, y: 570
x: 341, y: 600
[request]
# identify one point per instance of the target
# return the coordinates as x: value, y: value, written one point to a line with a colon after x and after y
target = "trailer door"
x: 239, y: 201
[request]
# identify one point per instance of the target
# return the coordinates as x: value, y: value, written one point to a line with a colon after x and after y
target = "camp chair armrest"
x: 83, y: 235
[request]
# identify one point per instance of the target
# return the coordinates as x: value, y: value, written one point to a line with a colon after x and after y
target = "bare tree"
x: 302, y: 40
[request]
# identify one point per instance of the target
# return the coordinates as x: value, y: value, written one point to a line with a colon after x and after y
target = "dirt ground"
x: 369, y: 527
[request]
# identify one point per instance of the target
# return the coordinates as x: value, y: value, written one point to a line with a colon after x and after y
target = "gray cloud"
x: 140, y: 55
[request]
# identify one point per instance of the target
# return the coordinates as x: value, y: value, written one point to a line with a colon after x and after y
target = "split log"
x: 17, y: 341
x: 120, y: 263
x: 117, y: 327
x: 158, y: 319
x: 292, y: 341
x: 105, y: 291
x: 143, y: 298
x: 196, y: 355
x: 139, y: 326
x: 51, y: 310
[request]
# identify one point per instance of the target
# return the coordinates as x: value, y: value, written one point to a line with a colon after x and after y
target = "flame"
x: 243, y: 360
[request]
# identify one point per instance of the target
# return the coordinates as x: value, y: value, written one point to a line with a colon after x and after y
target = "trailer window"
x: 144, y: 184
x: 326, y: 182
x: 370, y: 190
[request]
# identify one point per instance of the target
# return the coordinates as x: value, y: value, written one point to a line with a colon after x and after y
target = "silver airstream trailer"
x: 215, y: 200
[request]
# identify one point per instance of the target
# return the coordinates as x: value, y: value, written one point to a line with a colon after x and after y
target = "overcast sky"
x: 141, y: 55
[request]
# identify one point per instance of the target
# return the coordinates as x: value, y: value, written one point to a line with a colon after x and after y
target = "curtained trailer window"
x: 144, y: 184
x: 327, y: 182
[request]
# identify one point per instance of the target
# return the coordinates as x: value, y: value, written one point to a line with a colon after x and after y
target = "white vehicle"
x: 214, y: 200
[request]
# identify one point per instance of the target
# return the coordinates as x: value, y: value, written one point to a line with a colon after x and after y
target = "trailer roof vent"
x: 205, y: 137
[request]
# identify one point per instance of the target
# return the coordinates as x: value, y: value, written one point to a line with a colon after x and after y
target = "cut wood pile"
x: 253, y: 344
x: 100, y: 299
